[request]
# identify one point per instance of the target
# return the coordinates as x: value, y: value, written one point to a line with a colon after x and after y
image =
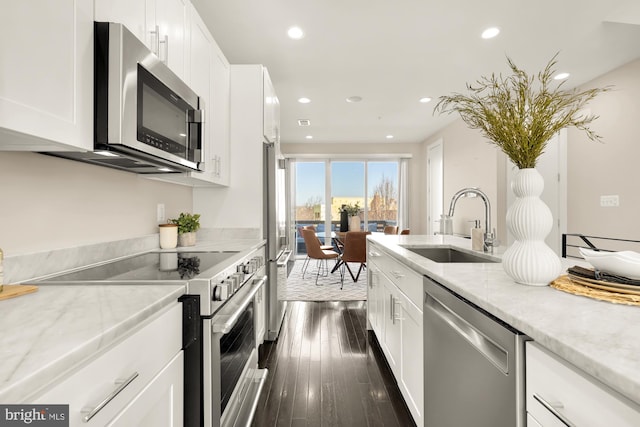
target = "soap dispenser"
x: 477, y: 241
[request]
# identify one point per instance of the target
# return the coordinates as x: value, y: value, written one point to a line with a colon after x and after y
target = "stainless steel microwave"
x: 146, y: 120
x: 141, y: 106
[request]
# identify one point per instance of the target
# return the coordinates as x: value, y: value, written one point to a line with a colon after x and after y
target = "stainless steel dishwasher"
x: 473, y: 364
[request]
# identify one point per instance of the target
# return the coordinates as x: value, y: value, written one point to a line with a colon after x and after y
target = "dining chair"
x: 355, y: 250
x: 405, y: 231
x: 322, y: 246
x: 390, y: 229
x: 314, y: 251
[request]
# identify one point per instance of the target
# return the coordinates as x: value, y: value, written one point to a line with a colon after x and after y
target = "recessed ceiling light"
x: 309, y: 136
x: 425, y: 99
x: 354, y: 99
x: 561, y: 76
x: 295, y: 33
x: 389, y: 136
x: 304, y: 100
x: 490, y: 33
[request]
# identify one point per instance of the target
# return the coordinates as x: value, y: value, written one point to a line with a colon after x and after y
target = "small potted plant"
x: 353, y: 211
x: 187, y: 224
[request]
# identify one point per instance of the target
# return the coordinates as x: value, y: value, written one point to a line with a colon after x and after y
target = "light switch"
x: 611, y: 201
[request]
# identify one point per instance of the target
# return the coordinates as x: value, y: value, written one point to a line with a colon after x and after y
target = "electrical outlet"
x: 612, y: 201
x: 160, y: 212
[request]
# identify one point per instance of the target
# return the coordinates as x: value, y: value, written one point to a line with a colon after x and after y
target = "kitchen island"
x: 600, y: 338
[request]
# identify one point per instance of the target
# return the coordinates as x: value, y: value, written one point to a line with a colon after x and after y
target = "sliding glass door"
x: 322, y: 187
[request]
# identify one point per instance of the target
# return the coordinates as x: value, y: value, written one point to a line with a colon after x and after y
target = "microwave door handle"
x: 195, y: 118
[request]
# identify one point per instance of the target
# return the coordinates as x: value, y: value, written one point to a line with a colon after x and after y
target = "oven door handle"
x: 284, y: 258
x: 225, y: 321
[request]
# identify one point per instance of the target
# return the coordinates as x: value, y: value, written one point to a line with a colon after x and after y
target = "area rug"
x: 328, y: 288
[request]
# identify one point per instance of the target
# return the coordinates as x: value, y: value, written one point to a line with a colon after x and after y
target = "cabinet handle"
x: 374, y: 254
x: 373, y: 276
x: 553, y: 408
x: 391, y: 309
x: 90, y: 413
x: 396, y: 301
x: 165, y: 42
x: 155, y: 41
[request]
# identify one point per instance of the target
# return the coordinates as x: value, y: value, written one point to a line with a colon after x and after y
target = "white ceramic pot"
x: 354, y: 223
x: 168, y: 236
x: 187, y: 239
x: 529, y: 260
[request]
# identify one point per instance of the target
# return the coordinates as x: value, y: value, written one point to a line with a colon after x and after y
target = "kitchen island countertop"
x: 601, y: 338
x: 49, y: 333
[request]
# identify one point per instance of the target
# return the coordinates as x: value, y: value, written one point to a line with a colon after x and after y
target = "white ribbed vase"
x: 529, y: 260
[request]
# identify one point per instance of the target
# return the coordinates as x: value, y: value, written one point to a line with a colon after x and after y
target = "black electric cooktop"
x: 160, y: 266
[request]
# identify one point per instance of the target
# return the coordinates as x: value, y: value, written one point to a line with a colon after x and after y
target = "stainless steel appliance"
x: 146, y: 120
x: 225, y: 380
x: 276, y: 225
x: 473, y: 364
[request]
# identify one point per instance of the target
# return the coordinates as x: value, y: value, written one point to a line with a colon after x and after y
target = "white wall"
x: 611, y: 167
x: 51, y: 203
x: 469, y: 161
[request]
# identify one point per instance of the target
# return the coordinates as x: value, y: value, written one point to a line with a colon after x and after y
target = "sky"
x: 347, y: 178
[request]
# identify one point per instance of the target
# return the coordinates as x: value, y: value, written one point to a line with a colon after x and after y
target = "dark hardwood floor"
x: 324, y: 370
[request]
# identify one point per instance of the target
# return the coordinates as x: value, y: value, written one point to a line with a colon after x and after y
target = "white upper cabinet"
x: 162, y: 25
x: 46, y: 89
x: 271, y: 110
x: 207, y: 73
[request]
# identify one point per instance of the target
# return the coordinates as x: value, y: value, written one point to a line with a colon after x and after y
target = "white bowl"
x: 623, y: 263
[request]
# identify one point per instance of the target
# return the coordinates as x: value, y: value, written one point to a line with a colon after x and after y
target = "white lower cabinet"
x: 394, y: 301
x: 160, y: 403
x: 138, y: 381
x: 559, y: 394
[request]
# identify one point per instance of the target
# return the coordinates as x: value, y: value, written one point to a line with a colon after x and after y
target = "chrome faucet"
x: 489, y: 236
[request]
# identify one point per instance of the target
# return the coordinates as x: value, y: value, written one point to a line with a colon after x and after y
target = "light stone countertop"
x: 49, y: 333
x: 601, y: 338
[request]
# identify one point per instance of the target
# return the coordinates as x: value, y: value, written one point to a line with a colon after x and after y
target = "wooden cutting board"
x: 12, y: 291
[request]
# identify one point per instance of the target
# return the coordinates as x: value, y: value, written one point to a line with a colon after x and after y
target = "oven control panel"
x: 235, y: 277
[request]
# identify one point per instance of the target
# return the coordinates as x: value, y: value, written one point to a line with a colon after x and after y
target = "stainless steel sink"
x: 448, y: 255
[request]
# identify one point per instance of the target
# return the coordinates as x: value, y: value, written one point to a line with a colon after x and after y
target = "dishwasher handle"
x: 494, y: 353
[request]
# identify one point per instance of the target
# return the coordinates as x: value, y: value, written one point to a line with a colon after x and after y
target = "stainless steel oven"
x: 225, y: 380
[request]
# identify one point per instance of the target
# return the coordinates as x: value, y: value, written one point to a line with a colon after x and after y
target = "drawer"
x: 559, y: 394
x: 406, y: 279
x: 144, y: 352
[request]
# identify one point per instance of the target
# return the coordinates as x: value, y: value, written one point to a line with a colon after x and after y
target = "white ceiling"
x: 391, y: 53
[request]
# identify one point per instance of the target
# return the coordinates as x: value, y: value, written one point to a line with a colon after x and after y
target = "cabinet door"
x: 160, y: 403
x: 411, y: 357
x: 200, y: 70
x: 373, y: 297
x: 271, y: 109
x: 46, y: 90
x: 220, y: 121
x: 391, y: 334
x: 171, y: 19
